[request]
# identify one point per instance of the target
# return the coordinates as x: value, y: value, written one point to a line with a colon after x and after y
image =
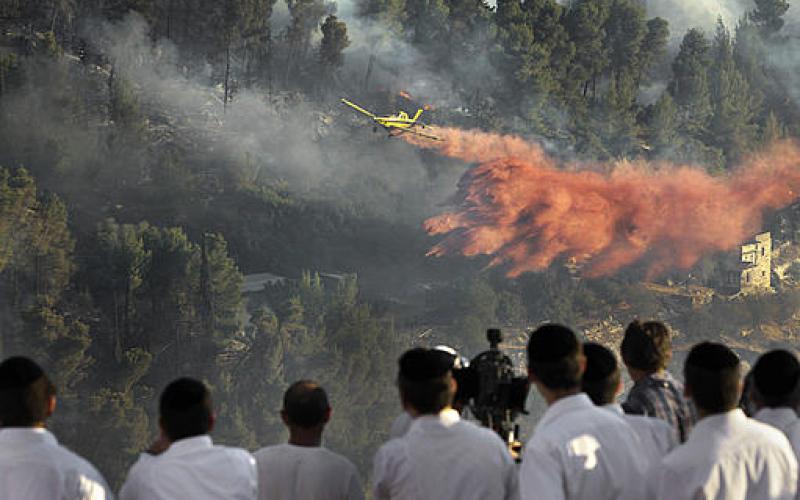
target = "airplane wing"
x: 358, y: 108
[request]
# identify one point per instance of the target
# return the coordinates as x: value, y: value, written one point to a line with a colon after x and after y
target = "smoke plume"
x: 520, y: 208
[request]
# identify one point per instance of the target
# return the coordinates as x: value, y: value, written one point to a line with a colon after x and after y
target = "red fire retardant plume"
x: 522, y: 210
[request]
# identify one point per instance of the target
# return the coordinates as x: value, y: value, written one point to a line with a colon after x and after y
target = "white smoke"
x: 319, y: 152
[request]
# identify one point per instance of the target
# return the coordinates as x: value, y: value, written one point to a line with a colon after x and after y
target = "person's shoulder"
x: 72, y: 461
x: 682, y: 457
x: 392, y: 451
x: 657, y: 425
x: 757, y: 427
x: 767, y: 435
x: 338, y: 459
x: 793, y: 431
x: 392, y: 447
x: 239, y: 456
x: 271, y: 451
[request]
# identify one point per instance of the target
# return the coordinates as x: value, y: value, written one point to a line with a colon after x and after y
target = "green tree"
x: 305, y: 19
x: 618, y: 120
x: 331, y: 49
x: 768, y: 15
x: 773, y: 130
x: 586, y: 23
x: 662, y: 127
x: 652, y: 47
x: 733, y: 128
x: 625, y: 32
x: 119, y: 267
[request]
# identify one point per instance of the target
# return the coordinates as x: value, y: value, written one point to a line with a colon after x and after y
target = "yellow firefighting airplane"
x: 397, y: 124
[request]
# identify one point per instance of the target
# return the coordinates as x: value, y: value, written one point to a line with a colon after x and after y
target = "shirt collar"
x: 658, y: 378
x: 712, y: 423
x: 445, y: 418
x: 566, y: 405
x: 777, y: 417
x: 23, y: 435
x: 190, y: 444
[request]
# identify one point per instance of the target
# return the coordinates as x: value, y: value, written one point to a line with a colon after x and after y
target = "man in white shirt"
x: 33, y: 466
x: 602, y: 382
x: 578, y: 451
x: 774, y: 393
x: 727, y: 455
x: 184, y: 462
x: 402, y: 422
x: 441, y: 456
x: 303, y: 469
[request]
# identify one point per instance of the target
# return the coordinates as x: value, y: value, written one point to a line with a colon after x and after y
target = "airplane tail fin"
x: 419, y: 113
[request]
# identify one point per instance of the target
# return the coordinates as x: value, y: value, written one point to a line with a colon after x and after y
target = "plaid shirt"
x: 661, y: 396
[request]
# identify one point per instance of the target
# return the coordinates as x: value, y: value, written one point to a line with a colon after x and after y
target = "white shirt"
x: 192, y: 468
x: 656, y: 436
x: 289, y: 472
x: 581, y: 452
x: 400, y: 425
x: 33, y: 466
x: 442, y: 457
x: 728, y: 456
x: 786, y: 421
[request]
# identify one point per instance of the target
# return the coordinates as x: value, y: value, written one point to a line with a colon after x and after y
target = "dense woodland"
x: 128, y: 214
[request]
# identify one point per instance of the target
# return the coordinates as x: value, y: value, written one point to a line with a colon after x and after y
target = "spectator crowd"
x: 703, y: 438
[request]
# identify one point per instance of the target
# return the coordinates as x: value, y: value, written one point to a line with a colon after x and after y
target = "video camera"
x: 492, y: 391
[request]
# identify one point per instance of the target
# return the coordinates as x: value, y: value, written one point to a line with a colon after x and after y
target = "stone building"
x: 756, y: 263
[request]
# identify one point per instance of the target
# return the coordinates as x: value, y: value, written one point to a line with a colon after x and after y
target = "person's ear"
x: 582, y: 363
x: 212, y: 421
x: 285, y: 418
x: 620, y: 387
x: 51, y: 406
x: 328, y: 414
x: 453, y: 385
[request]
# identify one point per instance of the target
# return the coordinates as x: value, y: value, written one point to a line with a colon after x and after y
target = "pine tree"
x: 391, y: 14
x: 625, y: 32
x: 306, y: 16
x: 586, y: 23
x: 733, y: 128
x: 618, y: 120
x: 652, y: 48
x: 334, y: 41
x: 662, y: 127
x: 773, y: 130
x: 768, y: 15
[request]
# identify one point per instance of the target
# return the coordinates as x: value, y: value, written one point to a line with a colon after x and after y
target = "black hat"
x: 600, y: 362
x: 421, y: 364
x: 18, y: 372
x: 551, y: 343
x: 776, y: 373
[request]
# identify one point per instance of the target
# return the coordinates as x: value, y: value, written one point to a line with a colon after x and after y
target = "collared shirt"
x: 290, y: 472
x: 728, y: 456
x: 786, y: 421
x: 192, y: 468
x: 400, y: 425
x: 581, y: 452
x: 660, y: 395
x: 445, y: 458
x: 657, y: 438
x: 33, y: 466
